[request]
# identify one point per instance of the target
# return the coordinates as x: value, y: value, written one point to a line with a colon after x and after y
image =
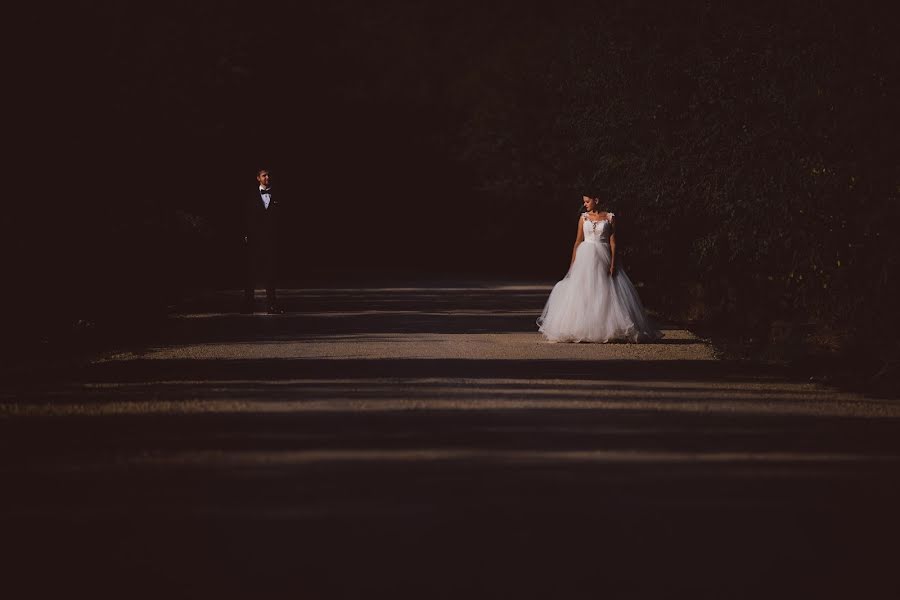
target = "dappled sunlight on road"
x: 377, y: 427
x: 434, y: 394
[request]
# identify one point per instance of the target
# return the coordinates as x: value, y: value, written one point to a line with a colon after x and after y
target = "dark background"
x: 750, y: 152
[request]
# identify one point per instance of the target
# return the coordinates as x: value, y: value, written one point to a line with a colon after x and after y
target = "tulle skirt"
x: 590, y: 306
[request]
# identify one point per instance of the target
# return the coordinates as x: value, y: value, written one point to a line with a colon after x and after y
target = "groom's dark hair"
x: 261, y: 169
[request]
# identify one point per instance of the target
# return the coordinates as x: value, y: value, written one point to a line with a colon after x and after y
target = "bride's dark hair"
x: 597, y: 195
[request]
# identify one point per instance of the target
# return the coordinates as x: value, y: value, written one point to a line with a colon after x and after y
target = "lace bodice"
x: 598, y: 231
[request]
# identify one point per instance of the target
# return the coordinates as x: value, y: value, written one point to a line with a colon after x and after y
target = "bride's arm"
x: 578, y: 238
x: 612, y: 247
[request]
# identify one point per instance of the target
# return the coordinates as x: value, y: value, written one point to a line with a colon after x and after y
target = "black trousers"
x: 261, y: 268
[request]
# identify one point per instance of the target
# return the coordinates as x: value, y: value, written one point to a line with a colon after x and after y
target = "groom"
x: 261, y: 208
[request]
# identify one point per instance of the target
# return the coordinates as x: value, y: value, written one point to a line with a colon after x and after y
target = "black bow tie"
x: 266, y: 191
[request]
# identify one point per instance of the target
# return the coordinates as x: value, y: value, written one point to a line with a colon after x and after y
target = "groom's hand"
x: 612, y: 270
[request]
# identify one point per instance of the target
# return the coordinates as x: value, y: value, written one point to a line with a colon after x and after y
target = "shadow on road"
x: 442, y: 478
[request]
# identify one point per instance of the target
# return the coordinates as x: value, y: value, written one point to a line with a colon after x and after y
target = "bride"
x: 595, y: 301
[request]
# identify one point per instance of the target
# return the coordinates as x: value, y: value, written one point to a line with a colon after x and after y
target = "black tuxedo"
x: 261, y: 234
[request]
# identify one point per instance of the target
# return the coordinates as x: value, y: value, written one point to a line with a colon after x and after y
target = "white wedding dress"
x: 590, y: 306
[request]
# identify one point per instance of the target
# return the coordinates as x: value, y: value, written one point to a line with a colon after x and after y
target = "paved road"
x: 425, y: 442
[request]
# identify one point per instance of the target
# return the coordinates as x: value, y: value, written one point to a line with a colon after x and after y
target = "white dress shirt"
x: 266, y: 195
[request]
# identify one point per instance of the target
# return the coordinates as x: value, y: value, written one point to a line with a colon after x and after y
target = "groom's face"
x: 263, y: 178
